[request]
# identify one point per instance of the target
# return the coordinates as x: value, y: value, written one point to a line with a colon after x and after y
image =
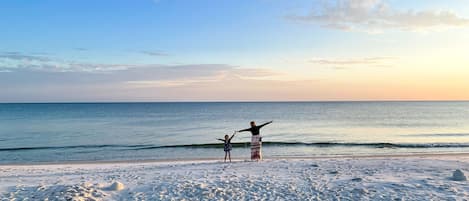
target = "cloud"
x: 80, y: 49
x: 51, y: 71
x: 343, y: 63
x: 352, y: 61
x: 170, y: 83
x: 375, y: 16
x: 18, y: 56
x: 136, y: 82
x: 25, y: 77
x: 185, y: 75
x: 154, y: 53
x: 17, y: 61
x: 137, y: 73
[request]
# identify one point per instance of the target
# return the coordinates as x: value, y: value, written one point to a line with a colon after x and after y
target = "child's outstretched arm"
x: 221, y: 139
x: 233, y: 135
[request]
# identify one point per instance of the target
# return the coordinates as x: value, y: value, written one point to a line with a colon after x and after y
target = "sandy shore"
x: 404, y: 177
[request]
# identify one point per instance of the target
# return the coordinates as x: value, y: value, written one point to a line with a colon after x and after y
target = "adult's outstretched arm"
x: 265, y: 124
x: 247, y: 129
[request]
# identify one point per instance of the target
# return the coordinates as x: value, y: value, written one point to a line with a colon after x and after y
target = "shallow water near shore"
x: 57, y: 132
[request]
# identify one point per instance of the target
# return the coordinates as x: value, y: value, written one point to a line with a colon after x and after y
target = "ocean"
x: 64, y: 132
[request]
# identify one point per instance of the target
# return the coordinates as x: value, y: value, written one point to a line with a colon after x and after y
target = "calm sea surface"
x: 132, y: 131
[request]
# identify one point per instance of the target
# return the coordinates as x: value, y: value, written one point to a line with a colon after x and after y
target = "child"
x: 227, y: 147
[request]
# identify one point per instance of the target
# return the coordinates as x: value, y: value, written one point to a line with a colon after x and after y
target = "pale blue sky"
x: 311, y: 49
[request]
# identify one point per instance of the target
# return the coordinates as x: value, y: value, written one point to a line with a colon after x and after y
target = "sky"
x: 233, y: 50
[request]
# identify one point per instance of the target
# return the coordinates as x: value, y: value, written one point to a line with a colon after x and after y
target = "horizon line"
x: 223, y: 101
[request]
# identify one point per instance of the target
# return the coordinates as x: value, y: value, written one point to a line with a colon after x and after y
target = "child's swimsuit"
x: 227, y: 146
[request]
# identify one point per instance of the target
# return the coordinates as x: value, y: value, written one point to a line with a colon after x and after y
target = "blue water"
x: 136, y: 131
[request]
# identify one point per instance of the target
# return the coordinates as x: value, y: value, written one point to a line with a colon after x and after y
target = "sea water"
x: 57, y: 132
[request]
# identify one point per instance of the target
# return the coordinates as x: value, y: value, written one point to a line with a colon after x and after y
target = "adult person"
x: 256, y: 140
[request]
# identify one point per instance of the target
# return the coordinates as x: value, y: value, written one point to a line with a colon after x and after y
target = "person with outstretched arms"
x: 256, y: 140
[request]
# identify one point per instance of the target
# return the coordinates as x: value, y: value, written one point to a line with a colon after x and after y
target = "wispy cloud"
x: 185, y: 75
x: 142, y: 75
x: 135, y: 82
x: 80, y: 49
x: 155, y: 53
x: 350, y: 63
x: 375, y: 16
x: 18, y: 61
x: 18, y: 56
x: 172, y: 82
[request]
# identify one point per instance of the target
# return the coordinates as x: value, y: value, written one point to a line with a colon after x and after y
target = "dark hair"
x: 252, y: 122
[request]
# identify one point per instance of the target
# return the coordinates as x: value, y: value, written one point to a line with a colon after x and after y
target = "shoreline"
x: 187, y: 160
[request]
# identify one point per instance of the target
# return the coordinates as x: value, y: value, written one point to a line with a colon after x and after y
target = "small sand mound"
x: 116, y: 186
x: 458, y: 175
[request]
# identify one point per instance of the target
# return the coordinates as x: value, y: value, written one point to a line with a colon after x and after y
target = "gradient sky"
x: 249, y: 50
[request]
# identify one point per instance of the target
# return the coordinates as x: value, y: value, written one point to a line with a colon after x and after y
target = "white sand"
x: 365, y: 178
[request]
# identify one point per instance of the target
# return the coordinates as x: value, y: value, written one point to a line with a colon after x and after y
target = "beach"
x: 170, y: 151
x: 234, y: 100
x: 398, y: 177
